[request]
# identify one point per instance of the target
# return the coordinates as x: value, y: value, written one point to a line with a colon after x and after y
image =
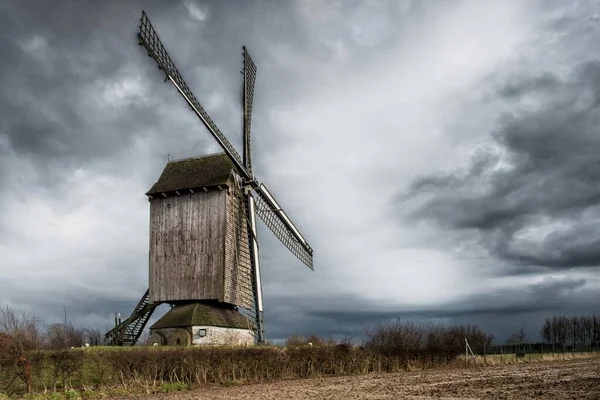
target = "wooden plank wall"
x: 238, y: 272
x: 187, y: 254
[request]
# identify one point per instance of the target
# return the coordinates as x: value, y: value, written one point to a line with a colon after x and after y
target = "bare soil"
x: 573, y: 379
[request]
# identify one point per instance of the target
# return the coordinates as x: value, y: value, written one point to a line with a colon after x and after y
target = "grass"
x: 173, y: 387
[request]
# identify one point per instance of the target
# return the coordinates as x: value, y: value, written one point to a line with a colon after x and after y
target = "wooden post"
x: 484, y: 354
x: 501, y: 353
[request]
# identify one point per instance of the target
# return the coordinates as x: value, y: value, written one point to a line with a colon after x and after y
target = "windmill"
x: 204, y: 253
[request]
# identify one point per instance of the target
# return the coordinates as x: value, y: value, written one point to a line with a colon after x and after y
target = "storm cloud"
x: 532, y: 196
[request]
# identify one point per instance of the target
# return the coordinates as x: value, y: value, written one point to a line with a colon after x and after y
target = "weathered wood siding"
x: 187, y: 246
x: 238, y: 272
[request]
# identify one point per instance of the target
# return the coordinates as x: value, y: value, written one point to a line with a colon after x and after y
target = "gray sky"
x: 441, y: 157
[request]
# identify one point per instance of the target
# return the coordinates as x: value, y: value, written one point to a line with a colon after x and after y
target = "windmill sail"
x: 259, y: 320
x: 249, y: 81
x: 269, y: 210
x: 149, y: 39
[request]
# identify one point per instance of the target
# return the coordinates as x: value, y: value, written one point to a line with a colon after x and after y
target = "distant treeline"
x: 581, y: 332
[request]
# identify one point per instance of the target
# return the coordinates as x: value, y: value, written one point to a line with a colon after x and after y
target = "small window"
x: 202, y: 332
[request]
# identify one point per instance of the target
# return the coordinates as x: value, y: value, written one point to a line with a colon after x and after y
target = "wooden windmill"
x: 204, y: 255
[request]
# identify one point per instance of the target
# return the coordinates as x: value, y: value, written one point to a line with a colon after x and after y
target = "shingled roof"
x: 201, y: 314
x: 193, y: 173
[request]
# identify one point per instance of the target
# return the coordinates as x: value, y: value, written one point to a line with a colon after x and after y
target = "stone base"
x: 202, y: 323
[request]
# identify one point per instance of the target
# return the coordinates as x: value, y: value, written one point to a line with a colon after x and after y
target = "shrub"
x: 403, y: 343
x: 173, y: 387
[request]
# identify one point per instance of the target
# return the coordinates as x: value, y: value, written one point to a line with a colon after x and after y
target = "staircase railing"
x: 129, y: 331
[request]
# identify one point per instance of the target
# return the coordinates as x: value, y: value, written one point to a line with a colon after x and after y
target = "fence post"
x: 484, y: 354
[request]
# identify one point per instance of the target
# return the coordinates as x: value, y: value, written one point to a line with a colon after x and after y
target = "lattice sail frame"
x: 273, y: 216
x: 149, y: 39
x: 249, y: 82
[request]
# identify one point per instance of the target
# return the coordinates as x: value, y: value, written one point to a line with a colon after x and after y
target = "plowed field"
x: 574, y: 379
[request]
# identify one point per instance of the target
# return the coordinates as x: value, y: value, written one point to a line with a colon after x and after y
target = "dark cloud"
x: 501, y: 311
x: 521, y: 85
x: 544, y: 172
x: 78, y: 90
x: 48, y: 76
x: 56, y: 70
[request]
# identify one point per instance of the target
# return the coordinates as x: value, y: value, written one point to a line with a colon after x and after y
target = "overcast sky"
x: 441, y: 157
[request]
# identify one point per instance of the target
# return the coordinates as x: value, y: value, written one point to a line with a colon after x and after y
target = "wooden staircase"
x: 128, y: 332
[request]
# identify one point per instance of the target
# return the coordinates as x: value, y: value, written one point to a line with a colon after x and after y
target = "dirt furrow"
x: 556, y: 380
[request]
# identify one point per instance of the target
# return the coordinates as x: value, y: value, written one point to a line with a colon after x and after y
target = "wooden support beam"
x: 164, y: 194
x: 205, y: 189
x: 191, y: 191
x: 177, y: 193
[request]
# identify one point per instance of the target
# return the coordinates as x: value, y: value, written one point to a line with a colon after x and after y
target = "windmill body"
x: 204, y: 258
x: 200, y: 253
x: 199, y: 243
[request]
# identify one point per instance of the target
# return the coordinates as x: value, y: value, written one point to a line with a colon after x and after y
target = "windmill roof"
x: 201, y: 314
x: 193, y: 173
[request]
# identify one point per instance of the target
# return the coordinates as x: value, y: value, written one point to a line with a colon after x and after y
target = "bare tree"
x: 596, y: 330
x: 546, y: 331
x: 575, y: 332
x: 295, y: 340
x: 23, y: 328
x: 563, y: 330
x: 517, y: 338
x: 555, y: 330
x: 94, y: 336
x: 64, y: 336
x: 587, y: 330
